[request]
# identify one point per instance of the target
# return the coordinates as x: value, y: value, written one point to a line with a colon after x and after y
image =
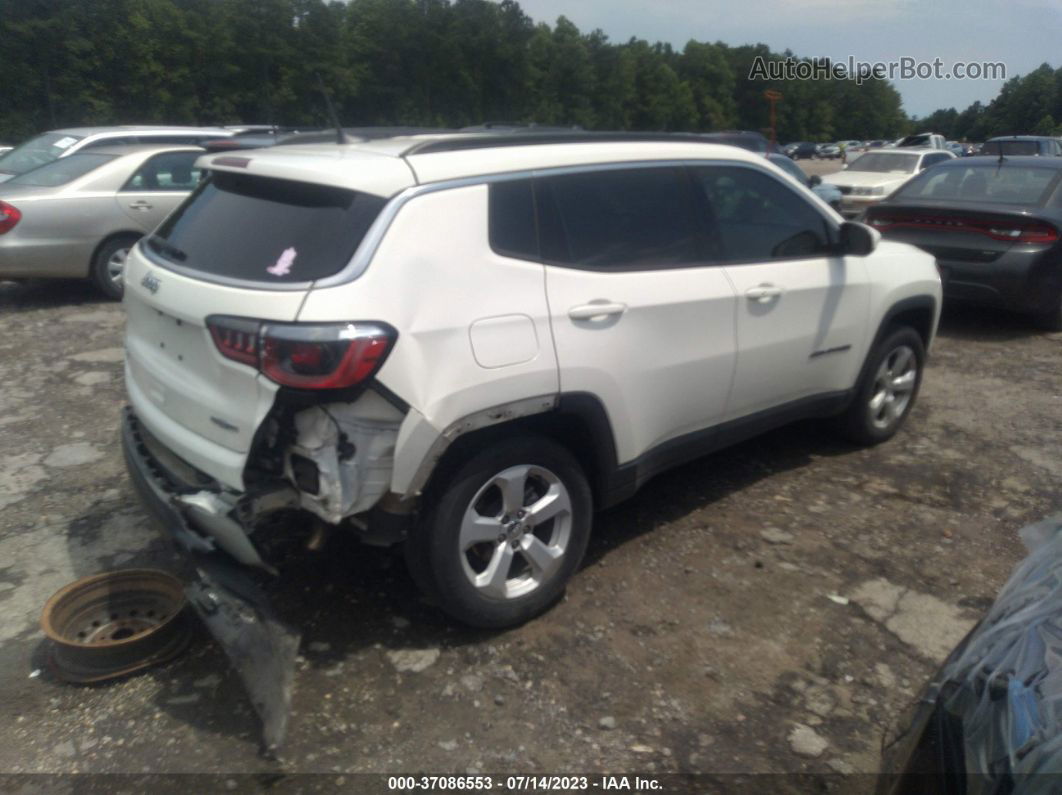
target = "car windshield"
x: 1008, y: 148
x: 915, y: 140
x: 36, y: 152
x: 982, y: 183
x: 60, y: 172
x: 267, y: 230
x: 885, y: 162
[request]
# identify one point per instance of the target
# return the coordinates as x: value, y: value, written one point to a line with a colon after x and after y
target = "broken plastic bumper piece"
x: 221, y: 589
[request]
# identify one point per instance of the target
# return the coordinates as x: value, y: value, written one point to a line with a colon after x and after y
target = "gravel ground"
x: 769, y: 609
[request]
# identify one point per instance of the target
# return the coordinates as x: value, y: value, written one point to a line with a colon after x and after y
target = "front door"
x: 801, y: 307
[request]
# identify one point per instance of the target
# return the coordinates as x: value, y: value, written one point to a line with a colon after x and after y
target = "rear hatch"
x: 244, y: 246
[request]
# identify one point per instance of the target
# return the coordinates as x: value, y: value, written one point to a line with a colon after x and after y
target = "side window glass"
x: 620, y: 220
x: 757, y: 218
x: 170, y: 171
x: 512, y: 220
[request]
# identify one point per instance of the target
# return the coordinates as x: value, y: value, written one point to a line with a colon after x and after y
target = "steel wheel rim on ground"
x: 109, y: 625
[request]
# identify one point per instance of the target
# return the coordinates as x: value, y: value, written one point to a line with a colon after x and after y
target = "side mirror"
x: 858, y: 239
x: 814, y: 180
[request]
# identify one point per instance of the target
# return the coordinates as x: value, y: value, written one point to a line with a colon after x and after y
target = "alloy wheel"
x: 893, y: 387
x: 515, y: 532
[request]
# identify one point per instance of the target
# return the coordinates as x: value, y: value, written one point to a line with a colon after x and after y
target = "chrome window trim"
x: 366, y: 251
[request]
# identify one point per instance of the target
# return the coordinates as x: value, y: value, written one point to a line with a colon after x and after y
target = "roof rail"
x: 457, y: 143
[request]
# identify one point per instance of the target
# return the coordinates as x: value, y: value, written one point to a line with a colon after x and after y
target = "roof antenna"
x: 341, y: 136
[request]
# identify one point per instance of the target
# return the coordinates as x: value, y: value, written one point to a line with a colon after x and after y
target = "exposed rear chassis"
x: 234, y: 608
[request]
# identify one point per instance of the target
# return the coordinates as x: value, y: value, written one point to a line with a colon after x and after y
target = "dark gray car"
x: 993, y: 224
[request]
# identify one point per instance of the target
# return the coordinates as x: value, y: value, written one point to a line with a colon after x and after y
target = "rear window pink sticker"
x: 283, y: 264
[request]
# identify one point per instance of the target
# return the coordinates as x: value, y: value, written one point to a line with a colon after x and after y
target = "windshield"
x: 885, y: 162
x: 1008, y: 148
x: 266, y: 230
x: 36, y: 152
x: 60, y: 172
x: 982, y: 183
x: 915, y: 140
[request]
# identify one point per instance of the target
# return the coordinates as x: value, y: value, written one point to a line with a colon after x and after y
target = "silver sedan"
x: 79, y: 216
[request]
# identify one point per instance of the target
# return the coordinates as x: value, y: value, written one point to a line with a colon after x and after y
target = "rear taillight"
x: 9, y: 216
x: 305, y: 355
x: 1016, y: 231
x: 236, y: 338
x: 1037, y: 233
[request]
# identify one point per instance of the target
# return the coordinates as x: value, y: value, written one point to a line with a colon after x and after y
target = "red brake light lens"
x: 236, y: 338
x: 305, y: 355
x: 1016, y: 231
x: 9, y: 216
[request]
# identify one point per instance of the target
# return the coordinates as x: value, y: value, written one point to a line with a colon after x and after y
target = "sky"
x: 1022, y: 34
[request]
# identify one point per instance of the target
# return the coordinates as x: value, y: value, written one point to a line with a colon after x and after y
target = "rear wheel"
x: 888, y: 389
x: 499, y: 541
x: 109, y: 264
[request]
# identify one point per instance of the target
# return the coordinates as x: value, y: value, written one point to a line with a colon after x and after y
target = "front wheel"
x: 500, y: 539
x: 887, y: 390
x: 108, y: 266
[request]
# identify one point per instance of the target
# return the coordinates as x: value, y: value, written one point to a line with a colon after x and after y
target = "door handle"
x: 596, y: 309
x: 762, y: 293
x: 141, y: 205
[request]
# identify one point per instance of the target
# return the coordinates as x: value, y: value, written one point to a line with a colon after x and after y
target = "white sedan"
x: 878, y: 172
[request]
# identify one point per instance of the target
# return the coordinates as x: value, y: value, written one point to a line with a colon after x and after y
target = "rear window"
x: 983, y: 183
x: 885, y: 162
x: 1011, y: 148
x: 60, y: 172
x: 36, y: 152
x: 266, y: 230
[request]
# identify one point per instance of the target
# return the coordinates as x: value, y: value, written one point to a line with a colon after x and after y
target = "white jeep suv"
x: 471, y: 343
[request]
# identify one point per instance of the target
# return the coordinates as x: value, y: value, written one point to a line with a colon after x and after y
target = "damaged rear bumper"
x: 231, y: 604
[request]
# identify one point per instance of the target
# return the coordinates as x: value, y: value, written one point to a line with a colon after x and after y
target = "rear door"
x: 642, y: 317
x: 242, y: 247
x: 158, y: 186
x: 801, y: 310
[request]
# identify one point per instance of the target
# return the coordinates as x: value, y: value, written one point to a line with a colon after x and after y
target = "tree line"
x: 1027, y: 105
x: 396, y: 62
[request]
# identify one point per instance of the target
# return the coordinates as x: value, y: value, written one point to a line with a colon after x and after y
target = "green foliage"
x: 398, y: 62
x: 1025, y: 105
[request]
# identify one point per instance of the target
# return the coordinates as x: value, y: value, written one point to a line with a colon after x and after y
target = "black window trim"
x: 831, y: 228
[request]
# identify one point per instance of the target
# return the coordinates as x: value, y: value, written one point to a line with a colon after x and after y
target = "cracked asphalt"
x: 769, y: 609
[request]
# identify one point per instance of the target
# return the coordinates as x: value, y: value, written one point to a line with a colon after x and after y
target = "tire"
x: 887, y: 389
x: 108, y: 264
x: 481, y: 555
x: 1052, y: 319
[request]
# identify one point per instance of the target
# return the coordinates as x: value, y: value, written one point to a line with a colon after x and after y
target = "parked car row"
x: 85, y: 195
